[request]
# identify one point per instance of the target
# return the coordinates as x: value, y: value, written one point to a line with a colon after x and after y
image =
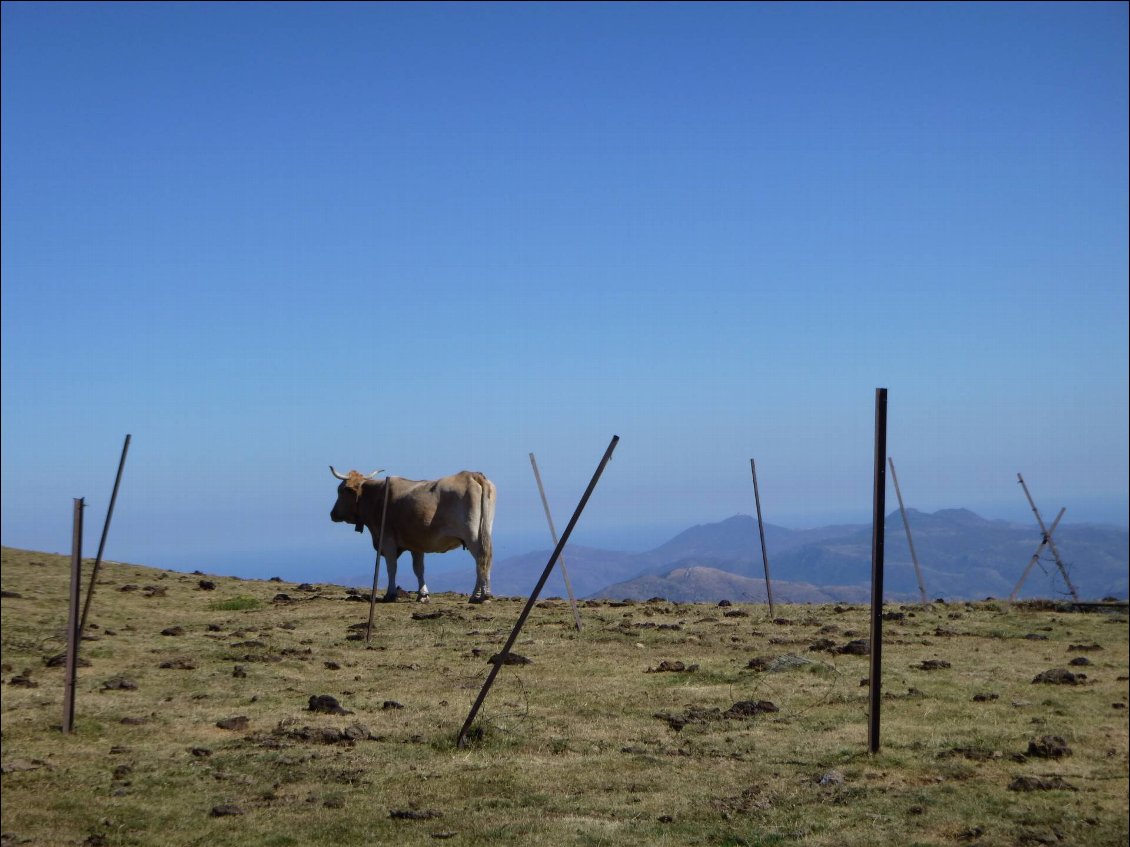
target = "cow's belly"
x: 432, y: 544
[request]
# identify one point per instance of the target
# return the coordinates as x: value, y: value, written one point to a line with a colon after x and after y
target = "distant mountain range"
x: 962, y: 556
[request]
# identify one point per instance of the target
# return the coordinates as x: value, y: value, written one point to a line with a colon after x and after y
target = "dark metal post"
x: 102, y: 543
x: 377, y: 566
x: 73, y: 634
x: 761, y: 532
x: 553, y: 535
x: 877, y: 529
x: 909, y: 537
x: 500, y: 660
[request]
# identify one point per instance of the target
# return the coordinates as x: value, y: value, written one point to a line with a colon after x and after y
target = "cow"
x: 431, y: 516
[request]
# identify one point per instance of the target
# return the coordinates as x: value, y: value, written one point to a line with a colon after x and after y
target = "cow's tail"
x: 486, y: 518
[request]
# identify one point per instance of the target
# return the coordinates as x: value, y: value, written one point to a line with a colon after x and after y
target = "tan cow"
x: 431, y: 516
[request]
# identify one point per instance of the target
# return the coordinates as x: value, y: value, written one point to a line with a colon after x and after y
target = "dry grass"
x: 571, y: 749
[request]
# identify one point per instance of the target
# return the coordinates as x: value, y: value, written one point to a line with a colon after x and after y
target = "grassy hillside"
x: 194, y: 724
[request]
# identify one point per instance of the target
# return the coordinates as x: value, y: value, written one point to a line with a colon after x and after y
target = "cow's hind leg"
x: 418, y: 567
x: 481, y: 594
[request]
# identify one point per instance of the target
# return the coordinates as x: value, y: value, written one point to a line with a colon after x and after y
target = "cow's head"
x: 346, y: 510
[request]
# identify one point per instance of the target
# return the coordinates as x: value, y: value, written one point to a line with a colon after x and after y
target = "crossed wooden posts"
x: 1045, y: 541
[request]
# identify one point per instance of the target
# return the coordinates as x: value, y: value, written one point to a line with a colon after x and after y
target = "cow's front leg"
x: 418, y: 568
x: 390, y: 593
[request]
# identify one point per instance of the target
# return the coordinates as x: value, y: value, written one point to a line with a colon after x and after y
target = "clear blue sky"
x: 266, y: 238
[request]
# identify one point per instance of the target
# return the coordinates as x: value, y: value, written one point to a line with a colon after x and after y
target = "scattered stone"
x: 59, y: 660
x: 858, y: 647
x: 894, y: 616
x: 181, y: 663
x: 822, y: 645
x: 414, y: 814
x: 985, y: 698
x: 306, y: 587
x: 672, y: 667
x: 1034, y: 637
x: 332, y: 666
x: 1084, y: 648
x: 934, y: 665
x: 326, y: 704
x: 239, y: 672
x: 1079, y: 662
x: 11, y: 595
x: 388, y: 705
x: 282, y: 599
x: 18, y: 765
x: 427, y: 616
x: 173, y: 630
x: 510, y: 659
x: 237, y: 723
x: 226, y: 810
x: 736, y: 613
x: 830, y: 778
x: 206, y: 585
x: 749, y: 708
x: 275, y: 579
x: 1058, y: 676
x: 1040, y: 783
x: 200, y: 752
x: 155, y: 590
x: 724, y: 603
x: 356, y: 732
x: 119, y: 683
x: 1049, y: 747
x: 23, y: 680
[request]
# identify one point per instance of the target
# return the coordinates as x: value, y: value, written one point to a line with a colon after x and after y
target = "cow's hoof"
x: 422, y: 598
x: 485, y: 598
x: 389, y: 598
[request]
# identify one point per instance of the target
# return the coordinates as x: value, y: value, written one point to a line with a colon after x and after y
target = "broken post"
x: 909, y: 537
x: 877, y: 528
x: 761, y: 532
x: 553, y: 535
x: 500, y: 658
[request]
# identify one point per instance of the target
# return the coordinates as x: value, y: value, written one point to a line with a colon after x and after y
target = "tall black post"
x: 877, y: 528
x: 73, y: 633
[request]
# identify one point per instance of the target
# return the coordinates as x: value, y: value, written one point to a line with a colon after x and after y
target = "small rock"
x: 1058, y: 676
x: 173, y: 630
x: 1049, y: 747
x: 935, y: 665
x: 1040, y: 783
x: 326, y: 704
x: 510, y: 659
x: 236, y: 723
x: 831, y: 778
x: 119, y: 683
x: 226, y: 810
x: 206, y: 585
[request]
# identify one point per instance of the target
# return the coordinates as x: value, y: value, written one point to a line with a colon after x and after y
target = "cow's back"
x: 435, y: 516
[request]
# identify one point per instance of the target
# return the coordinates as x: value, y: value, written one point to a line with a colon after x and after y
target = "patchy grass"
x: 591, y: 743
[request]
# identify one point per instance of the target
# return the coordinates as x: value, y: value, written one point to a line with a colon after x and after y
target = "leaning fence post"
x: 73, y: 635
x: 761, y: 532
x: 909, y: 537
x: 877, y: 528
x: 102, y: 543
x: 553, y: 535
x: 500, y: 658
x: 377, y: 566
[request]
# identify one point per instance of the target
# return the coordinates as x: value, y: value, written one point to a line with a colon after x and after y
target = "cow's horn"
x: 336, y: 474
x: 375, y: 474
